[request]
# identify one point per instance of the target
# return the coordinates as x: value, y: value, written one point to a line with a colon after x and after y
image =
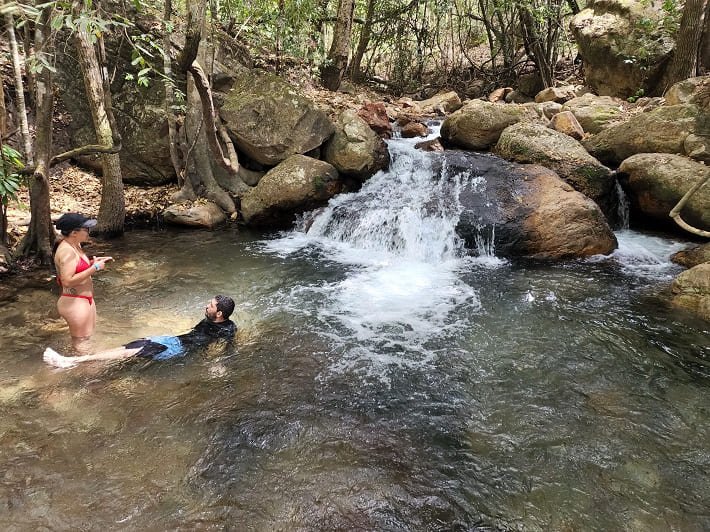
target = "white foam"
x: 646, y: 255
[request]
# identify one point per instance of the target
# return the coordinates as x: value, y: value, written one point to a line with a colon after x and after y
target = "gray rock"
x: 270, y: 120
x: 655, y: 182
x: 296, y: 185
x: 595, y: 113
x: 355, y: 149
x: 203, y: 214
x: 620, y: 55
x: 663, y: 130
x: 538, y: 144
x: 478, y: 124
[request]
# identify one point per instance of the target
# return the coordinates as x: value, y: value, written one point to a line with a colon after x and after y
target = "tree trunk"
x: 364, y: 41
x: 112, y: 211
x: 40, y: 234
x: 200, y: 125
x: 687, y: 45
x: 534, y: 47
x: 169, y: 99
x: 3, y: 111
x: 332, y: 71
x: 704, y: 56
x: 20, y: 90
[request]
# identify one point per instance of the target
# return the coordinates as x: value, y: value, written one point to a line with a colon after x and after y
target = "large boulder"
x: 296, y: 185
x: 594, y: 113
x: 624, y: 45
x: 478, y: 124
x: 527, y: 210
x: 139, y: 112
x: 691, y: 290
x: 528, y: 142
x: 655, y: 182
x: 270, y: 120
x: 355, y: 149
x: 680, y: 129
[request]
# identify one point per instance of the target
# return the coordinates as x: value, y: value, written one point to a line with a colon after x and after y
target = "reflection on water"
x: 363, y: 394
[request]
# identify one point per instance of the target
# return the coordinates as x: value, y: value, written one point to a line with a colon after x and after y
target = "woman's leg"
x: 80, y: 315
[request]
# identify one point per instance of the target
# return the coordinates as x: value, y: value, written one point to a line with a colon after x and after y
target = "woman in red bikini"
x: 74, y: 270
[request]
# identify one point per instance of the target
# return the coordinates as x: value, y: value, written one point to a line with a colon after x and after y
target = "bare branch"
x: 675, y: 211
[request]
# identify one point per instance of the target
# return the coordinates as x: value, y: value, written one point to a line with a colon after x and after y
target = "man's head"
x: 220, y: 308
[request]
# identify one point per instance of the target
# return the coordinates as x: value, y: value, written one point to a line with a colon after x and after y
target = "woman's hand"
x: 100, y: 262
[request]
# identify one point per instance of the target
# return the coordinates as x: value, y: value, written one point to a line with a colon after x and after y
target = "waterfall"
x: 402, y: 212
x: 391, y: 261
x: 622, y: 207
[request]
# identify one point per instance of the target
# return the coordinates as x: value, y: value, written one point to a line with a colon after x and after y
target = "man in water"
x: 215, y: 326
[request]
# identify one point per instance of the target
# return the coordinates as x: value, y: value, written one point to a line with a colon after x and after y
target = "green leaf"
x: 143, y: 72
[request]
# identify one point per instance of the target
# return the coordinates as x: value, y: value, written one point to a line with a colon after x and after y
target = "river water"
x: 382, y: 379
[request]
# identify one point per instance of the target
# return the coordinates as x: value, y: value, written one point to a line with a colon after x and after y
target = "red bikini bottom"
x: 90, y: 299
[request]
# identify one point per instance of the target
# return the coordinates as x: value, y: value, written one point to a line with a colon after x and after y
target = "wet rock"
x: 691, y: 290
x: 414, y: 129
x: 355, y: 149
x: 655, y: 182
x: 297, y: 185
x: 527, y: 210
x: 692, y: 256
x: 430, y: 145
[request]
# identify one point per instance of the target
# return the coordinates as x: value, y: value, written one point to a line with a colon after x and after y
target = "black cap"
x: 73, y: 220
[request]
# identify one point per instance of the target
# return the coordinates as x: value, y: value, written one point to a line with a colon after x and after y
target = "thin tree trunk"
x: 364, y: 41
x: 534, y: 47
x: 3, y: 110
x: 704, y: 56
x: 112, y: 211
x: 337, y: 61
x: 40, y: 234
x: 169, y: 99
x: 20, y: 90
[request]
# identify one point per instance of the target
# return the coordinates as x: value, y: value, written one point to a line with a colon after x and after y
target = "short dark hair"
x: 225, y: 305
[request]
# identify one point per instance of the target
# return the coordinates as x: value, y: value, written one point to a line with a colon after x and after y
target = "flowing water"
x: 382, y: 379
